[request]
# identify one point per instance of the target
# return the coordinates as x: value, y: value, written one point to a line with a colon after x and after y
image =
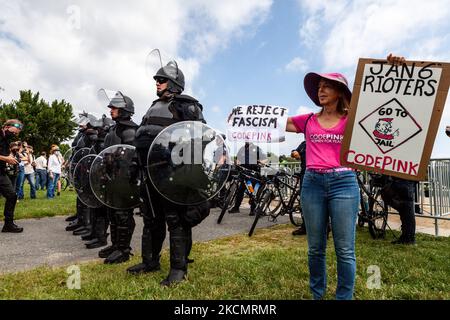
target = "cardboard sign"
x: 257, y: 123
x: 394, y: 117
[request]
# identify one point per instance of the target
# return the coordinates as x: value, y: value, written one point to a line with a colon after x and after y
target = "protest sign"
x: 257, y: 123
x: 394, y: 117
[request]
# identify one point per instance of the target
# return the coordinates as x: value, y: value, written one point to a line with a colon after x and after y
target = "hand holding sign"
x: 395, y: 59
x: 257, y: 123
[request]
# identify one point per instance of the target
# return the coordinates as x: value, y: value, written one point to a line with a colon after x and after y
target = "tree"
x: 63, y: 148
x: 44, y: 124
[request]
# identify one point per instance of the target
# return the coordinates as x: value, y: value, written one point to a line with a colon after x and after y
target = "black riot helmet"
x: 175, y: 76
x: 85, y: 120
x: 122, y: 102
x: 104, y: 123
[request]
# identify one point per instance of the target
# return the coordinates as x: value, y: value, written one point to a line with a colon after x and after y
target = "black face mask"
x: 9, y: 134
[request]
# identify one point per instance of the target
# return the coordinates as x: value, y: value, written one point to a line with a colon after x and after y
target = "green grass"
x: 270, y: 265
x: 40, y: 207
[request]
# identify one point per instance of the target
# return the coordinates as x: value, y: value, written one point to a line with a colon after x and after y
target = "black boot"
x: 124, y: 234
x: 82, y: 231
x: 179, y: 239
x: 74, y: 225
x: 92, y: 234
x: 100, y: 234
x: 300, y: 231
x: 71, y: 218
x: 78, y: 222
x: 10, y: 226
x: 104, y: 253
x: 89, y: 237
x: 150, y: 256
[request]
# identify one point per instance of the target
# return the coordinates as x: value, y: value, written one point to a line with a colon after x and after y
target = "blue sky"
x: 232, y: 52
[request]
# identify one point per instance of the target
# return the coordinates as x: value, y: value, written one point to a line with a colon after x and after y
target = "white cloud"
x: 51, y: 49
x: 343, y: 31
x: 297, y: 65
x: 337, y: 33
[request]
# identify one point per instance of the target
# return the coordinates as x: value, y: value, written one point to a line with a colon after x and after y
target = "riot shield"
x: 115, y: 178
x: 188, y: 163
x: 82, y: 184
x: 74, y: 161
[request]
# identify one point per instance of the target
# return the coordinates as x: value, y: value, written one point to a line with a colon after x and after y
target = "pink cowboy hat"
x: 311, y: 83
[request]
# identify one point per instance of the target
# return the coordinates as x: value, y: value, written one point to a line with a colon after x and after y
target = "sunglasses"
x: 16, y: 125
x: 161, y: 80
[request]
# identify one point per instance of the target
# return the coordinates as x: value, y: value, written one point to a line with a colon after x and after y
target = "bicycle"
x: 373, y: 210
x: 220, y: 198
x: 275, y: 195
x: 243, y: 175
x: 64, y: 179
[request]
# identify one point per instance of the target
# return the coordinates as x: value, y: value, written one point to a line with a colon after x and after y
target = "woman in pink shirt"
x: 329, y: 191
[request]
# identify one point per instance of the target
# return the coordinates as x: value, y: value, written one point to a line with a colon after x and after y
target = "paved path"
x: 45, y: 242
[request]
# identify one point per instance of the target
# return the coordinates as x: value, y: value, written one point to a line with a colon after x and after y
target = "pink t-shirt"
x: 323, y: 146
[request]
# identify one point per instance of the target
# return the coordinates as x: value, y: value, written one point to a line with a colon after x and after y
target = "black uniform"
x: 155, y: 208
x: 122, y: 222
x: 82, y: 224
x: 6, y: 188
x: 399, y: 194
x: 100, y: 222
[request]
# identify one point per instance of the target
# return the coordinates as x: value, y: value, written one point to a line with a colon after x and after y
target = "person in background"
x: 12, y: 170
x: 249, y: 156
x: 54, y: 171
x: 29, y: 172
x: 21, y: 173
x: 399, y: 194
x: 300, y: 154
x: 11, y: 129
x: 41, y: 171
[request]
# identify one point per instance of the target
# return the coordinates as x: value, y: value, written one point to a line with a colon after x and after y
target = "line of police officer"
x: 171, y: 107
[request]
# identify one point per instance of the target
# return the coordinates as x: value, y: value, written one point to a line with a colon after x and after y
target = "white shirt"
x: 41, y: 163
x: 54, y: 164
x: 28, y: 167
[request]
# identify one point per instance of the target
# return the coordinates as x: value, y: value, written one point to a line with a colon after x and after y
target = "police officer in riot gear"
x: 171, y: 107
x: 81, y: 225
x: 122, y: 222
x: 97, y: 237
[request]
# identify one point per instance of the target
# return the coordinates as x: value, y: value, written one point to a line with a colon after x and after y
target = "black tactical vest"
x: 123, y: 132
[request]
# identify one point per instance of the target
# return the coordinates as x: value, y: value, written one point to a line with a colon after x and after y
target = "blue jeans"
x: 31, y: 181
x: 19, y: 182
x: 52, y: 185
x: 41, y: 179
x: 332, y: 195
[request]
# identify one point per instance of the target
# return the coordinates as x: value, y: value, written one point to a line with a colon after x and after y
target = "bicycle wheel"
x: 261, y: 209
x: 229, y: 198
x: 295, y: 213
x: 377, y: 220
x: 275, y: 203
x: 221, y: 197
